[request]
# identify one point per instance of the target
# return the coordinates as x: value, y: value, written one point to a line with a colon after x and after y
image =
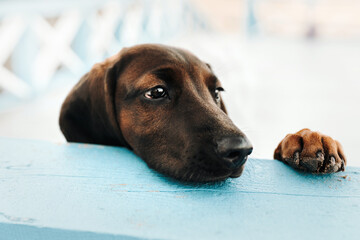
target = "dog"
x: 165, y: 105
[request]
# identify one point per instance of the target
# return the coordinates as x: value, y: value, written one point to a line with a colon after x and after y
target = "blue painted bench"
x: 80, y: 191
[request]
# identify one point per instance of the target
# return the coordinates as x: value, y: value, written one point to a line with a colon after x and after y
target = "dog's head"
x: 165, y: 105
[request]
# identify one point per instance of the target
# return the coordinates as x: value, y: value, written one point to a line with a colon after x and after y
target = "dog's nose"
x: 233, y: 151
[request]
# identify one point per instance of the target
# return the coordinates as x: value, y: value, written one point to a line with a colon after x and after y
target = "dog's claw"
x: 296, y: 157
x: 332, y: 161
x: 342, y: 168
x: 320, y: 155
x: 332, y: 166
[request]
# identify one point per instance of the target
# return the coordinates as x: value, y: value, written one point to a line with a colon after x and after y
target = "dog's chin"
x: 222, y: 177
x: 237, y: 173
x: 196, y: 174
x: 204, y: 176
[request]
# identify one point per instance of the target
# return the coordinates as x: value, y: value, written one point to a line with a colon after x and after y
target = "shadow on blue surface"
x: 16, y: 231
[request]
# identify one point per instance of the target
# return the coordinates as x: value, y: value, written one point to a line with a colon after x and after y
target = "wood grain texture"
x: 72, y: 191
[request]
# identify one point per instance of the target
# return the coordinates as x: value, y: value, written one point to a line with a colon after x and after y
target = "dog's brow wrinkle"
x: 132, y: 93
x: 212, y: 80
x: 163, y: 73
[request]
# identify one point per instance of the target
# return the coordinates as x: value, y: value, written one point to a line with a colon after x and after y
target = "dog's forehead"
x: 147, y: 57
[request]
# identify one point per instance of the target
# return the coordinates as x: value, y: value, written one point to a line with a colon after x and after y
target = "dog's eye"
x: 156, y: 93
x: 217, y: 94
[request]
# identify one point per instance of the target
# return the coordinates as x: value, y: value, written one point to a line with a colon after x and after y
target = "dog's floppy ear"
x: 88, y: 114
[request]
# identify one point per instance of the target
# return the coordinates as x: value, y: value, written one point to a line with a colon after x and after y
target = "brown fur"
x: 311, y: 151
x: 186, y: 135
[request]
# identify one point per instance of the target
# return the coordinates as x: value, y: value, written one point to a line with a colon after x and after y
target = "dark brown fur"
x: 179, y: 136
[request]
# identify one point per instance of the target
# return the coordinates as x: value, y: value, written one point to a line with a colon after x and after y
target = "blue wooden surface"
x: 78, y: 191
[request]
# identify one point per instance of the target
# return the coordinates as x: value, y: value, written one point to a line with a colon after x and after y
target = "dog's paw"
x: 312, y: 152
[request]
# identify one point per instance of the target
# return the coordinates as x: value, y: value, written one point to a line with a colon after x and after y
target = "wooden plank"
x: 72, y: 191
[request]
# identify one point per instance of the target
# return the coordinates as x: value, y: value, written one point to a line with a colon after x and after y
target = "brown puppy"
x: 164, y: 104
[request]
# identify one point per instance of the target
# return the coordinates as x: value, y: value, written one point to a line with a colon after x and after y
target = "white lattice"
x: 35, y: 47
x: 10, y: 33
x: 56, y: 47
x: 104, y: 25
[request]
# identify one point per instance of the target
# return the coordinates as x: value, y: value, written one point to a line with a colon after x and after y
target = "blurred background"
x: 284, y: 64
